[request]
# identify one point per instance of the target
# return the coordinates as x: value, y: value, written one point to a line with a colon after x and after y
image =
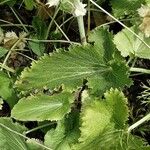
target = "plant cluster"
x: 73, y: 91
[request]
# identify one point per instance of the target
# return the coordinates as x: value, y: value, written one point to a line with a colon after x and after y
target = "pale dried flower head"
x: 11, y: 38
x: 145, y: 26
x: 79, y: 9
x: 144, y: 11
x: 51, y: 3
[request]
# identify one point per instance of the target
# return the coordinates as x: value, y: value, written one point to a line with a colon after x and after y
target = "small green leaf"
x: 37, y: 47
x: 29, y: 4
x: 129, y: 45
x: 3, y: 51
x: 40, y: 27
x: 10, y: 140
x: 43, y: 107
x: 67, y: 6
x: 6, y: 90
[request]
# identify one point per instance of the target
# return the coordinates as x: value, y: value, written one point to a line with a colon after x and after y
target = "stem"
x: 19, y: 20
x: 89, y: 16
x: 39, y: 127
x: 144, y: 119
x: 142, y: 70
x: 52, y: 41
x: 41, y: 4
x: 7, y: 68
x: 81, y: 29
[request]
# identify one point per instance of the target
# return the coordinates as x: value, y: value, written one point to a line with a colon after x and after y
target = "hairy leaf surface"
x: 69, y: 68
x: 42, y: 107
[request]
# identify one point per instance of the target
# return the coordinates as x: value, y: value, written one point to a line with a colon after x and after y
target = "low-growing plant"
x: 75, y: 94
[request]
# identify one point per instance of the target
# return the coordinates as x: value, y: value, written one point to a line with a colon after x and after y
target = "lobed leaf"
x: 94, y: 63
x: 129, y: 45
x: 42, y: 107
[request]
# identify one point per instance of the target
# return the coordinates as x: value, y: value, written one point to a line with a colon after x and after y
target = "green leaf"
x: 95, y: 119
x: 118, y: 77
x: 129, y: 45
x: 67, y: 6
x: 29, y: 4
x: 70, y: 68
x: 6, y: 90
x: 43, y: 107
x: 65, y: 134
x: 10, y: 140
x: 125, y: 7
x: 37, y: 47
x: 40, y: 27
x: 102, y: 120
x: 3, y: 51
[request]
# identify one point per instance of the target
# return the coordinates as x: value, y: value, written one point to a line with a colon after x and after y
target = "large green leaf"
x: 129, y: 45
x: 10, y: 140
x: 43, y: 107
x: 70, y: 68
x: 6, y: 90
x: 65, y: 134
